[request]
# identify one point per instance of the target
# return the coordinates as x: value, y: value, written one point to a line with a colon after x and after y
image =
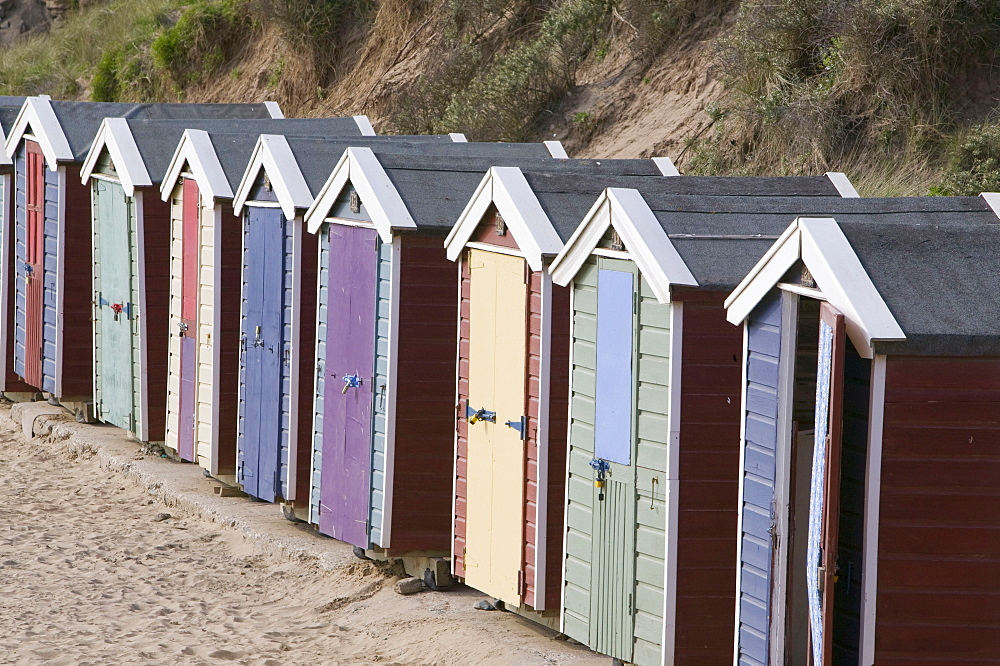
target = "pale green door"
x: 116, y: 312
x: 614, y: 527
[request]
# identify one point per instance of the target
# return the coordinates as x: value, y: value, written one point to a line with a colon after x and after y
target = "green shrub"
x: 197, y: 44
x: 974, y: 164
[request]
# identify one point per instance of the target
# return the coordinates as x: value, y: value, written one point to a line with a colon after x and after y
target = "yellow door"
x: 497, y: 359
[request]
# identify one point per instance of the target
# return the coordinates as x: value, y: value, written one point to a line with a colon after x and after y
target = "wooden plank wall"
x: 51, y: 270
x: 19, y: 252
x: 425, y: 398
x: 316, y: 464
x: 381, y: 407
x: 77, y: 329
x: 10, y: 379
x: 461, y: 425
x: 309, y: 269
x: 757, y: 502
x: 156, y: 250
x: 938, y: 595
x: 711, y: 384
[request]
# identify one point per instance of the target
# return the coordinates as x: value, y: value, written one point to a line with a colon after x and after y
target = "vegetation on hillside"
x: 899, y: 93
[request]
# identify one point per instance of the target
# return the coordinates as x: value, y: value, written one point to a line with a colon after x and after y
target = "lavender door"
x: 347, y: 402
x: 189, y: 318
x: 264, y: 272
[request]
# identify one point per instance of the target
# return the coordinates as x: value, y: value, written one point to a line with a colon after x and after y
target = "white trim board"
x: 195, y: 150
x: 361, y: 168
x: 115, y: 135
x: 873, y: 497
x: 673, y: 484
x: 822, y: 246
x: 508, y: 190
x: 274, y: 157
x: 37, y: 114
x: 647, y: 243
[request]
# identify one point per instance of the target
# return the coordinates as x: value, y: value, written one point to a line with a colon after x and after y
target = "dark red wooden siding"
x: 309, y: 269
x: 156, y: 256
x: 938, y: 593
x: 425, y: 396
x: 78, y: 330
x: 711, y: 376
x: 228, y: 291
x: 461, y: 425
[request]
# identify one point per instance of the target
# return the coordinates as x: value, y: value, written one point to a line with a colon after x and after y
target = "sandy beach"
x: 96, y: 569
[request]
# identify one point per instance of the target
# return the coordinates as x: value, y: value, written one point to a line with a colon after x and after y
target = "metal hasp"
x: 476, y: 415
x: 601, y: 467
x: 117, y: 308
x: 521, y: 426
x: 351, y: 381
x: 28, y: 270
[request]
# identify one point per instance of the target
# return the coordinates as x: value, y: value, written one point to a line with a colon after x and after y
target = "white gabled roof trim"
x: 556, y: 150
x: 822, y: 246
x: 992, y: 200
x: 196, y: 150
x: 458, y: 137
x: 37, y: 114
x: 666, y: 166
x: 507, y: 189
x: 274, y: 110
x: 364, y: 125
x: 115, y: 135
x: 363, y: 170
x: 273, y: 155
x: 843, y: 184
x: 647, y: 243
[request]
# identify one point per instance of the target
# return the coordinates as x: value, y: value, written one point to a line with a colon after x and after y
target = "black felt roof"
x: 934, y: 260
x: 157, y: 139
x: 9, y: 108
x: 711, y: 233
x: 81, y: 120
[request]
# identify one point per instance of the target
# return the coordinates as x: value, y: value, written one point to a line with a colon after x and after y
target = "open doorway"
x: 824, y: 358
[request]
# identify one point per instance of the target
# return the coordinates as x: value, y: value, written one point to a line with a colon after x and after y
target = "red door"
x: 188, y: 323
x: 34, y: 265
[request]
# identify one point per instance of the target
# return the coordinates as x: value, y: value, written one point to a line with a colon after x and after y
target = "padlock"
x: 598, y: 483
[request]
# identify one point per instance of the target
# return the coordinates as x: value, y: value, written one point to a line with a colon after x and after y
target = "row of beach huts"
x: 682, y: 419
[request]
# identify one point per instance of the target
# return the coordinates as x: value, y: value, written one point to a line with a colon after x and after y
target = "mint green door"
x: 116, y: 320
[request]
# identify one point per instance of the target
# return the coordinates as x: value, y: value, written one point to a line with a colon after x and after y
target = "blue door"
x: 263, y: 351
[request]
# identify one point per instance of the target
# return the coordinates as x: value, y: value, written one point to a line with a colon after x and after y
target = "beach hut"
x: 11, y: 385
x: 278, y: 312
x: 870, y: 467
x: 513, y: 373
x: 650, y: 528
x: 52, y: 221
x: 385, y: 377
x: 131, y: 264
x: 205, y: 268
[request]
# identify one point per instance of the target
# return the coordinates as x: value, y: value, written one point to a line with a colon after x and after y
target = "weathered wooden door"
x: 115, y: 310
x: 34, y: 267
x: 824, y: 499
x: 613, y: 554
x: 190, y: 229
x: 263, y: 351
x: 495, y: 476
x: 345, y: 479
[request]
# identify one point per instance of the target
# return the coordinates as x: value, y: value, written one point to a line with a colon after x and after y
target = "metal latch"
x: 476, y: 415
x: 257, y: 340
x: 351, y: 381
x: 183, y: 327
x: 601, y: 467
x: 28, y: 270
x: 521, y: 426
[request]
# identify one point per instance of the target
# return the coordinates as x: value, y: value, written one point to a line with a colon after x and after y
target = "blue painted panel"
x: 321, y: 323
x: 264, y: 353
x: 50, y: 313
x: 19, y: 258
x: 761, y: 435
x: 613, y: 402
x: 382, y: 308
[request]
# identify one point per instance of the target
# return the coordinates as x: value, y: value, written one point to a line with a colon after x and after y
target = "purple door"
x: 264, y: 275
x: 345, y: 478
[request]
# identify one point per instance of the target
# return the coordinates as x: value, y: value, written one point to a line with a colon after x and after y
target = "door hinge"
x: 522, y: 583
